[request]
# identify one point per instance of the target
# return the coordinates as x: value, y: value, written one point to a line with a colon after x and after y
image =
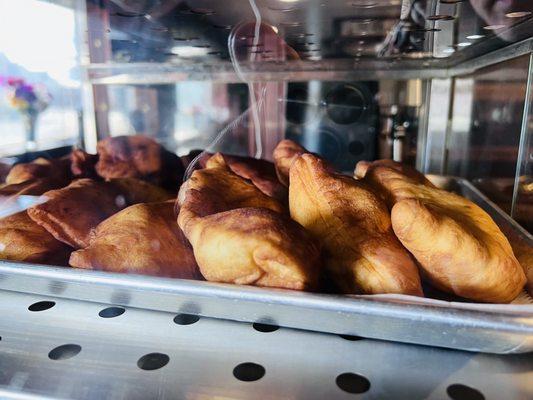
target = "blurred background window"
x: 40, y: 96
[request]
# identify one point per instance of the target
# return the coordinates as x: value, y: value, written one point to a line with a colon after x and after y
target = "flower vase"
x: 30, y: 125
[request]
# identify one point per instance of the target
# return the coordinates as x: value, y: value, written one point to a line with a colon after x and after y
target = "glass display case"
x: 441, y: 86
x: 348, y: 80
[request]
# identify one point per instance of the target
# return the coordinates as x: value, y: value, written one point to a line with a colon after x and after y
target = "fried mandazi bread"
x: 261, y: 173
x: 285, y: 153
x: 362, y: 167
x: 34, y: 187
x: 82, y: 164
x: 458, y: 246
x: 216, y: 188
x: 56, y: 169
x: 240, y: 235
x: 71, y: 213
x: 24, y: 240
x: 138, y: 157
x: 143, y: 239
x: 353, y: 224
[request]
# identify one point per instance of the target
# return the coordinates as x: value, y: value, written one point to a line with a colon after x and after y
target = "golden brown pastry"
x: 362, y: 167
x: 285, y: 153
x: 137, y: 191
x: 261, y: 173
x: 239, y: 234
x: 138, y: 157
x: 57, y: 169
x: 83, y: 164
x: 24, y: 240
x: 353, y: 225
x: 458, y: 246
x: 216, y: 188
x: 33, y: 187
x: 187, y: 159
x: 143, y: 239
x: 71, y: 213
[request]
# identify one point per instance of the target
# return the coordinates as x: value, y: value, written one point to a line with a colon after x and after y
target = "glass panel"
x: 485, y: 132
x: 343, y: 121
x: 40, y: 104
x: 523, y: 205
x: 182, y: 117
x: 366, y: 35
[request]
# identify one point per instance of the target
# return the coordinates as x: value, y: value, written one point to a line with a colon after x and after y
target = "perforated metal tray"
x: 502, y: 330
x: 54, y: 348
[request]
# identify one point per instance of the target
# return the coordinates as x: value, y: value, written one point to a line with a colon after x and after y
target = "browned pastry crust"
x: 239, y: 234
x: 57, y: 169
x: 362, y: 167
x: 187, y: 159
x: 458, y: 246
x: 71, y: 213
x: 216, y: 189
x: 83, y: 165
x: 353, y: 224
x: 285, y: 153
x: 261, y: 173
x: 24, y: 240
x: 138, y: 157
x: 33, y: 187
x: 143, y: 239
x: 137, y: 191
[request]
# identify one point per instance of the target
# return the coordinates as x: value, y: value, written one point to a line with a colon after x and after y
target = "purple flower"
x: 26, y: 93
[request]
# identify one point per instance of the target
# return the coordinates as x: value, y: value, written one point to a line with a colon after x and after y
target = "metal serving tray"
x: 474, y: 327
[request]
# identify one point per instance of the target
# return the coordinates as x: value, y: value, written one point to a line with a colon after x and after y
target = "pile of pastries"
x: 295, y: 223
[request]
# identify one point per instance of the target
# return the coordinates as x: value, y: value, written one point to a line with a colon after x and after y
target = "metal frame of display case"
x: 54, y: 346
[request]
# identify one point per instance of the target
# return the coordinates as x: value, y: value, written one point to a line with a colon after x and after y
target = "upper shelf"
x: 142, y: 41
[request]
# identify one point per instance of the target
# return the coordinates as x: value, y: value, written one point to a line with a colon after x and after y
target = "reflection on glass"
x: 486, y: 125
x: 38, y: 48
x: 523, y: 193
x: 182, y: 117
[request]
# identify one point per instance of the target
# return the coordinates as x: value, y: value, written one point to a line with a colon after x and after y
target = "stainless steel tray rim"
x: 349, y: 304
